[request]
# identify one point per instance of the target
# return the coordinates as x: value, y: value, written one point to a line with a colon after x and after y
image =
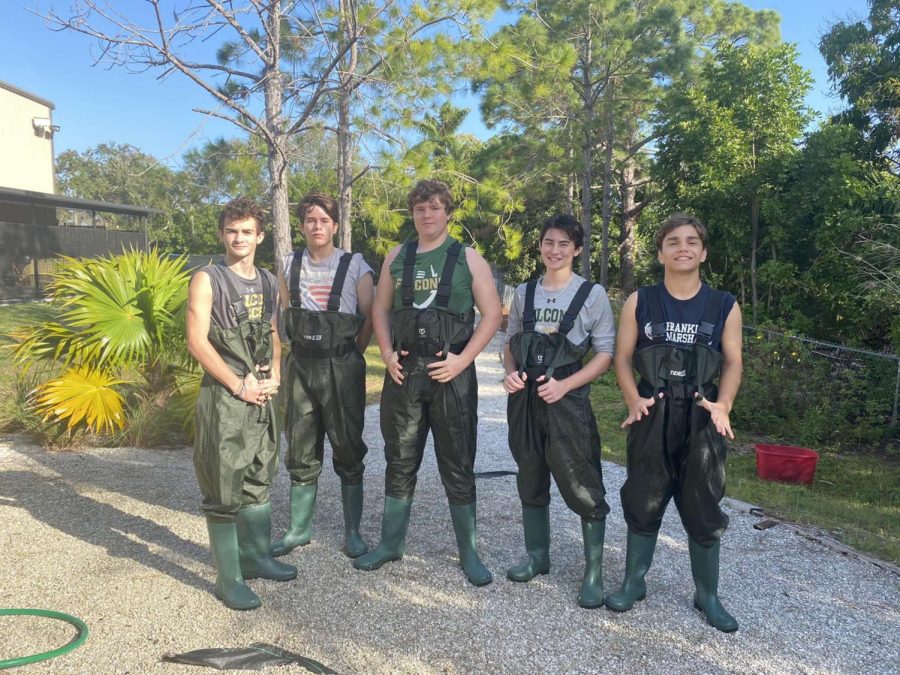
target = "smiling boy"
x: 681, y: 336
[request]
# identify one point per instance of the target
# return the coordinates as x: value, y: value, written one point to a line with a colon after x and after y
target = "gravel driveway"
x: 114, y: 536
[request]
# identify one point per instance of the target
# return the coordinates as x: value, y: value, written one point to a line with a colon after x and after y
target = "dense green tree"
x: 123, y: 174
x: 580, y: 72
x: 725, y: 141
x: 863, y: 60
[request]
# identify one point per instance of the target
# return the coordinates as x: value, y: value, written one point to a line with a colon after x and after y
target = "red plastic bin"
x: 787, y: 463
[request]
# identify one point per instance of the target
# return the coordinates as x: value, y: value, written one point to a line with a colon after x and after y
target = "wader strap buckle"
x: 427, y: 348
x: 677, y: 391
x: 534, y: 372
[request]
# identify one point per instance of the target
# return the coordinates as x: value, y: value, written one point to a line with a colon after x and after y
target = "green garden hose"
x: 74, y: 643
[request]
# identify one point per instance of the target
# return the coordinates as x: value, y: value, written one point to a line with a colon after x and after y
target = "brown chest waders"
x: 325, y: 380
x: 559, y: 439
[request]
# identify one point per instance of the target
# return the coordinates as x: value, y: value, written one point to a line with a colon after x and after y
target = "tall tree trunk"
x: 278, y: 146
x: 571, y: 186
x: 754, y: 237
x: 587, y: 158
x: 606, y: 211
x: 630, y: 211
x: 345, y: 137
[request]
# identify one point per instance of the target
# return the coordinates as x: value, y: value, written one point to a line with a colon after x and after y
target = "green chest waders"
x: 560, y: 438
x: 409, y: 410
x: 235, y: 453
x: 326, y: 380
x: 675, y: 451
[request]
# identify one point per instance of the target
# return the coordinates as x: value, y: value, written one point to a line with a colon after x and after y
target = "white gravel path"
x: 114, y: 537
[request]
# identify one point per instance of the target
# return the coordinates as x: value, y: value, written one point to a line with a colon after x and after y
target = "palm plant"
x: 118, y: 342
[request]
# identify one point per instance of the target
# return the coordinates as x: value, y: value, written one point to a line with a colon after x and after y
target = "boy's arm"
x: 626, y: 342
x: 732, y: 369
x: 381, y: 318
x: 365, y: 292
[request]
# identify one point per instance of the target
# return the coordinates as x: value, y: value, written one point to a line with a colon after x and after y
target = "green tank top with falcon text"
x: 428, y: 272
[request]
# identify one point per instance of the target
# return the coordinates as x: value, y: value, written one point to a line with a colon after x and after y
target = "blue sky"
x: 95, y: 104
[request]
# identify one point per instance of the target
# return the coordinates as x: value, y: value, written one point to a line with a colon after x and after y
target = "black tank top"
x: 682, y: 317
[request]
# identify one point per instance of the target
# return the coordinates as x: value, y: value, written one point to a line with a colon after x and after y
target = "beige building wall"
x: 26, y: 150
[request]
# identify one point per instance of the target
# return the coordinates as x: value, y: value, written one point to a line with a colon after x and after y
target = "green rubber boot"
x: 254, y: 533
x: 230, y: 586
x: 394, y: 523
x: 352, y: 500
x: 591, y: 594
x: 638, y: 557
x: 463, y: 517
x: 536, y: 523
x: 705, y: 570
x: 303, y: 505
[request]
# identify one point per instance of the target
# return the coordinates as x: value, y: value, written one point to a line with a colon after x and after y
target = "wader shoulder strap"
x: 528, y: 313
x: 653, y: 298
x: 337, y: 286
x: 711, y: 313
x: 581, y: 296
x: 409, y: 271
x: 235, y: 300
x: 443, y: 293
x: 294, y: 283
x: 268, y: 289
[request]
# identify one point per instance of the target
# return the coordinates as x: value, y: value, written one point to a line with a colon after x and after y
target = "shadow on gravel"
x: 116, y: 474
x: 123, y: 535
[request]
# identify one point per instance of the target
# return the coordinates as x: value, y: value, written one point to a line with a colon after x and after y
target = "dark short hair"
x: 241, y: 209
x: 676, y: 220
x: 424, y: 190
x: 568, y: 224
x: 324, y: 201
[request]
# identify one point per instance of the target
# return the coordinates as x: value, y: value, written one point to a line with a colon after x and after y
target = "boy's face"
x: 430, y: 218
x: 682, y: 250
x: 557, y: 250
x: 318, y: 228
x: 241, y: 237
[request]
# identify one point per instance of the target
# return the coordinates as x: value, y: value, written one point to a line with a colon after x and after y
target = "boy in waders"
x: 680, y: 335
x: 424, y: 321
x: 231, y: 324
x: 327, y: 295
x: 553, y: 322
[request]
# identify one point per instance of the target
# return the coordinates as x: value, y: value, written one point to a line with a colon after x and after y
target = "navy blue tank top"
x: 682, y: 317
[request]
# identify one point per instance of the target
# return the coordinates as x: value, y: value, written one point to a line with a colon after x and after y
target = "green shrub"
x: 111, y: 359
x: 803, y: 394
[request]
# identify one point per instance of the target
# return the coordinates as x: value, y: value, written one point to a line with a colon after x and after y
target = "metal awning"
x: 59, y: 201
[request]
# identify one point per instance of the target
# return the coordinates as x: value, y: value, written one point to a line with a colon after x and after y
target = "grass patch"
x: 856, y: 497
x: 374, y: 373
